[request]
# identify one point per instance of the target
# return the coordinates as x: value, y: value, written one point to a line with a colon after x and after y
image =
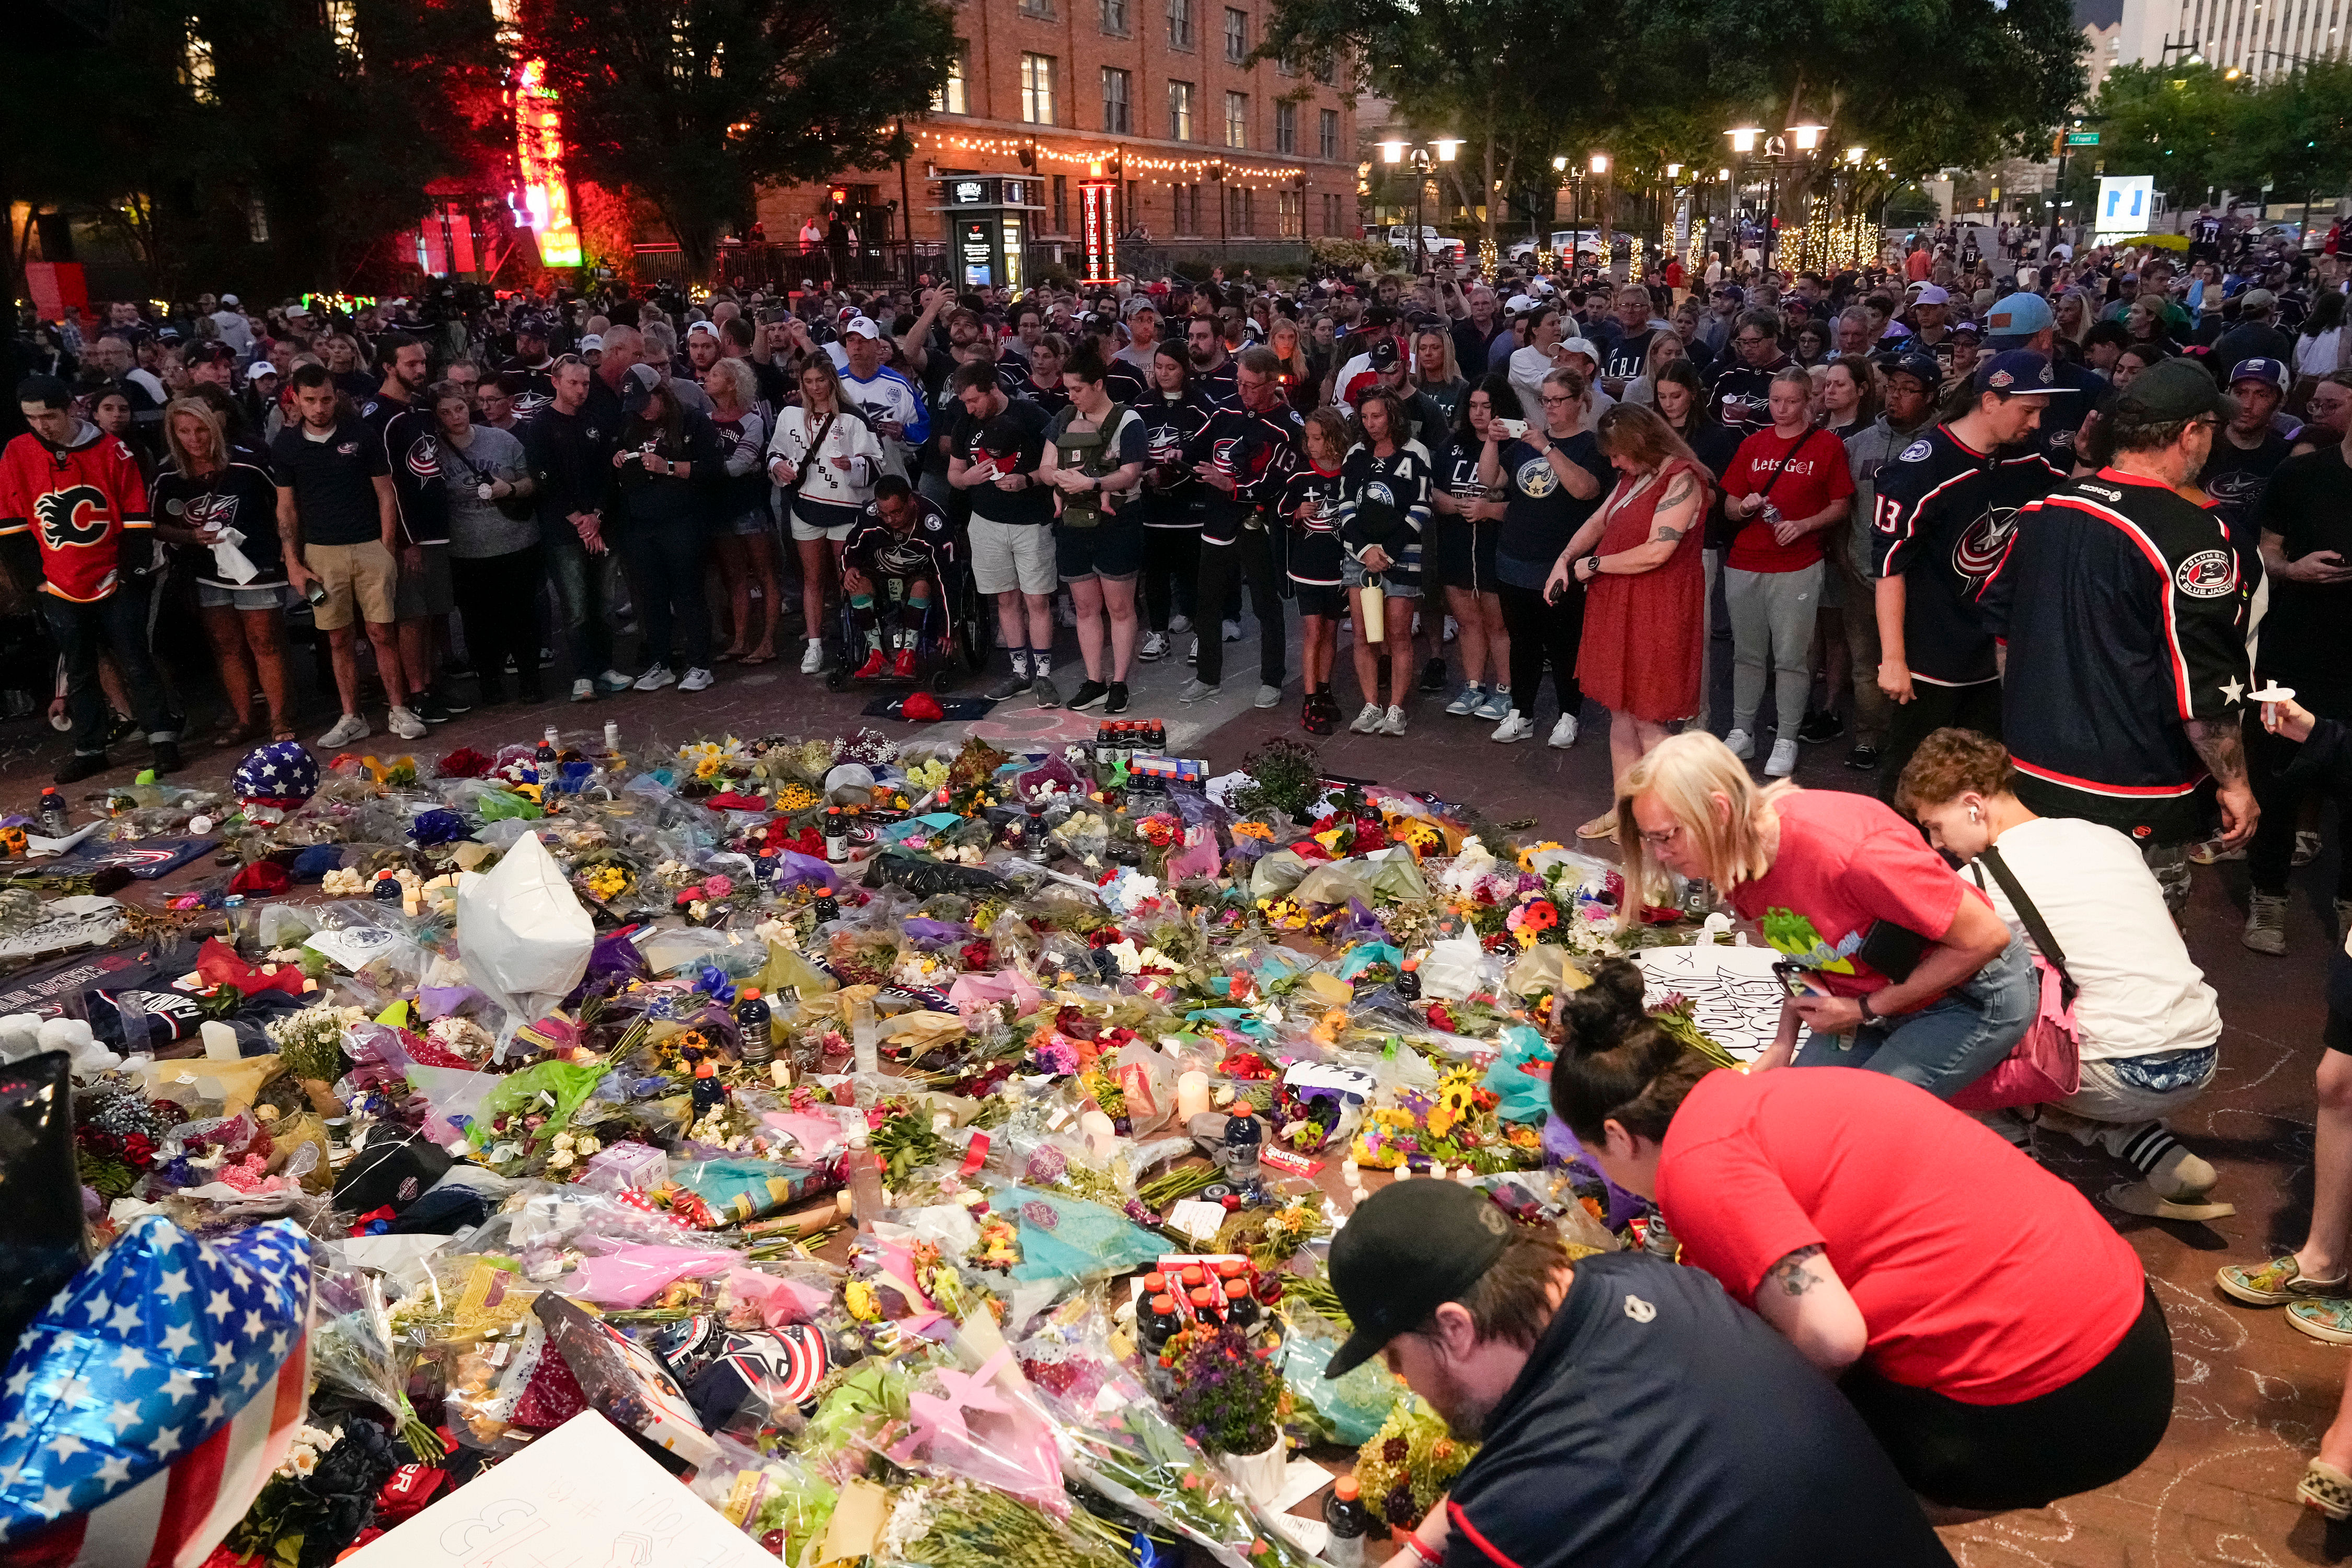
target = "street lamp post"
x: 1422, y: 156
x: 1804, y: 139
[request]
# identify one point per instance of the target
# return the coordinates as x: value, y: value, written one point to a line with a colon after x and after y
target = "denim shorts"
x: 1951, y: 1042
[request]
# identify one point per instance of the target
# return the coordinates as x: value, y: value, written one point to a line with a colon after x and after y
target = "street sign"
x: 2082, y: 139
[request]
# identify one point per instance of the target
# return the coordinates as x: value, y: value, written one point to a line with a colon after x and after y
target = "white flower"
x: 563, y: 1139
x: 562, y: 1160
x: 584, y: 1146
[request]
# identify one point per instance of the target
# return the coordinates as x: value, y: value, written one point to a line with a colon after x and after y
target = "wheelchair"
x: 953, y: 642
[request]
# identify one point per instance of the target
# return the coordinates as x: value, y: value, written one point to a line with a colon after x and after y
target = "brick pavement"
x: 2253, y: 1395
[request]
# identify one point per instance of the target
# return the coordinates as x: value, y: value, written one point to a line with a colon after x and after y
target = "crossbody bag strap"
x: 799, y: 475
x: 2035, y: 926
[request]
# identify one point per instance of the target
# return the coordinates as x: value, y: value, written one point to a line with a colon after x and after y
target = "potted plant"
x: 1229, y: 1398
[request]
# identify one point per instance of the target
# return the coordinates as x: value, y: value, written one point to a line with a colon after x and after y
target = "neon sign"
x: 539, y: 158
x: 1097, y: 230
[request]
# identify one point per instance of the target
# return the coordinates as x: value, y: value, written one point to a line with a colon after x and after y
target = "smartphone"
x: 1797, y: 981
x: 1511, y: 428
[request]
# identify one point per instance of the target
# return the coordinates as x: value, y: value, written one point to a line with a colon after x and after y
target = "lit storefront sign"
x: 539, y: 157
x: 1097, y: 230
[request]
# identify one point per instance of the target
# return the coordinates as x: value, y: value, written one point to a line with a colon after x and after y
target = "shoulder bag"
x: 2047, y: 1064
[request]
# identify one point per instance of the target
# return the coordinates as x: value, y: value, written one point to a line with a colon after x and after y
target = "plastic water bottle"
x: 1350, y: 1523
x: 55, y: 822
x: 865, y: 1182
x: 865, y: 1037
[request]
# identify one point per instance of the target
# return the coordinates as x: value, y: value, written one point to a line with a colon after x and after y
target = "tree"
x: 2171, y: 121
x: 689, y: 103
x: 2292, y: 135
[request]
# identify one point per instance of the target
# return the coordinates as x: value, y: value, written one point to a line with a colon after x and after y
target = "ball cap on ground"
x: 1408, y: 1249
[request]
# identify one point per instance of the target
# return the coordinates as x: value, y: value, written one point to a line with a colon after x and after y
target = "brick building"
x: 1269, y: 148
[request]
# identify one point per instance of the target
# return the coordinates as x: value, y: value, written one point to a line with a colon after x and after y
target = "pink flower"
x: 718, y: 887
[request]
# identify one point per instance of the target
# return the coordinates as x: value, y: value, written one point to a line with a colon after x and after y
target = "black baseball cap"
x: 2022, y: 373
x: 1408, y: 1249
x: 637, y: 388
x: 1380, y: 316
x: 1384, y: 355
x: 1921, y: 367
x: 2175, y: 389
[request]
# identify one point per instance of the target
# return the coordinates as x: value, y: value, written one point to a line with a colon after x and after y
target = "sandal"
x: 236, y: 736
x: 1602, y: 827
x: 2326, y: 1489
x: 2277, y: 1283
x: 755, y: 657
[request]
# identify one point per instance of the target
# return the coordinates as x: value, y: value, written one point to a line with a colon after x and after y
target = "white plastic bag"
x: 524, y: 937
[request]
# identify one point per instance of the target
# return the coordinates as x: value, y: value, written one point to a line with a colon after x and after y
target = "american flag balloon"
x: 150, y: 1400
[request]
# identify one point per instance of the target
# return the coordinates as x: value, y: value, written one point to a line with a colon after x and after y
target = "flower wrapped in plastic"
x: 1407, y: 1464
x: 353, y: 1350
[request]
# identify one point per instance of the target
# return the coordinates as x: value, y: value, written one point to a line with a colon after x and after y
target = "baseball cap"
x: 1921, y: 367
x: 2019, y: 373
x: 534, y: 327
x: 591, y: 344
x: 1384, y: 355
x: 1518, y: 302
x: 213, y: 351
x: 1408, y: 1249
x: 1583, y: 346
x: 2019, y: 315
x: 860, y: 327
x: 230, y: 300
x: 2271, y: 371
x: 2175, y: 389
x: 1380, y: 316
x: 1967, y: 330
x: 1933, y: 294
x: 2257, y: 300
x: 703, y: 330
x: 637, y: 387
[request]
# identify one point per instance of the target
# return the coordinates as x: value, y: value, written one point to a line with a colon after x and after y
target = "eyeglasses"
x: 1660, y: 839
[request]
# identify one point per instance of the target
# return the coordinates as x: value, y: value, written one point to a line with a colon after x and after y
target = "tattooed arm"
x: 2222, y: 746
x: 1681, y: 512
x: 1803, y: 1298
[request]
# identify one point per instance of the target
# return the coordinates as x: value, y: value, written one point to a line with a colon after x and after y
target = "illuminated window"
x: 343, y: 25
x: 1288, y: 214
x: 1237, y: 120
x: 949, y: 99
x: 1038, y: 89
x: 1180, y: 112
x: 197, y: 69
x: 1115, y: 103
x: 1236, y: 36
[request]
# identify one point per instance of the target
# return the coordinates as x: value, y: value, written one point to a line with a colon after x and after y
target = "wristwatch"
x: 1862, y: 1003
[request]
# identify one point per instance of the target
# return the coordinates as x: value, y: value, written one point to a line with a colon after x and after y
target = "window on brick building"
x: 1116, y: 119
x: 1237, y: 120
x: 1180, y: 112
x: 1179, y: 24
x: 1114, y: 18
x: 951, y: 97
x: 1286, y: 127
x: 1236, y: 36
x: 1038, y: 89
x: 1326, y: 134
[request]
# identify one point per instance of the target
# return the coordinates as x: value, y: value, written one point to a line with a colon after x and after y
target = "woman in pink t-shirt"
x: 1993, y: 1331
x: 1896, y: 964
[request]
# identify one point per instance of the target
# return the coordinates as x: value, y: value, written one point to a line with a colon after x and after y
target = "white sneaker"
x: 1177, y: 625
x: 614, y: 681
x: 1741, y: 746
x: 1155, y: 645
x: 1516, y: 726
x: 812, y: 658
x: 654, y: 678
x: 1783, y: 761
x: 1452, y: 628
x: 1368, y: 721
x: 694, y: 680
x: 1232, y: 631
x: 1563, y: 734
x: 584, y: 689
x: 349, y: 728
x: 1192, y: 654
x: 1394, y: 723
x: 405, y: 724
x: 1268, y: 695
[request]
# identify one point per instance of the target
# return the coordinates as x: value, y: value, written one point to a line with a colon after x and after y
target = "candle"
x: 1191, y: 1095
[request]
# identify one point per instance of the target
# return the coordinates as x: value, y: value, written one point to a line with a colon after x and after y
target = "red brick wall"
x: 997, y: 33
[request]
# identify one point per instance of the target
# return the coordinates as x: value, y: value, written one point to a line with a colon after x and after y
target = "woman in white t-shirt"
x: 2147, y: 1021
x: 827, y: 457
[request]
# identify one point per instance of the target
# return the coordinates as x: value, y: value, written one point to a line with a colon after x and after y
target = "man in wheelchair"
x: 895, y: 568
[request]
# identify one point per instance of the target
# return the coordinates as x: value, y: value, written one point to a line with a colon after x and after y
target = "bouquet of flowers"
x: 1409, y: 1463
x: 1229, y: 1396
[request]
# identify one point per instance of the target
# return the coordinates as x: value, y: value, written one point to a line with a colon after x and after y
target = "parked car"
x: 1586, y: 240
x: 1436, y: 245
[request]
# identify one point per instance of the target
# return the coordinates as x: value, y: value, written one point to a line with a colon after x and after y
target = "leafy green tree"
x: 2174, y: 122
x: 692, y: 103
x: 2292, y: 134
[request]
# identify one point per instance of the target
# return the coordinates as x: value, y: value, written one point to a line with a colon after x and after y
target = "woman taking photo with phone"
x: 1897, y: 965
x: 1552, y: 468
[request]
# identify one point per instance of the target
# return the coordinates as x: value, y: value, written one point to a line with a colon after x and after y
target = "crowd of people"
x: 2055, y: 555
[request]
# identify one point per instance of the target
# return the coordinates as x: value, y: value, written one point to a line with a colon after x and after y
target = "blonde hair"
x: 741, y: 382
x: 1448, y: 371
x: 1685, y: 773
x: 195, y: 408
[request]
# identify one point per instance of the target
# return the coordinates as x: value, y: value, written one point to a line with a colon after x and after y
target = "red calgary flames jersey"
x: 76, y: 502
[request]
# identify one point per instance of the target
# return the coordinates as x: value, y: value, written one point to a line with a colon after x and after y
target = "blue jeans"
x: 579, y: 579
x: 117, y: 624
x: 1951, y: 1042
x: 666, y: 565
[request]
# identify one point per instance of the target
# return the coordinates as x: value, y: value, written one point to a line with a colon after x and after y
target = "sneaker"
x: 1115, y: 700
x: 1394, y: 723
x: 1432, y: 676
x: 428, y: 708
x: 656, y: 677
x: 1863, y: 758
x: 875, y: 664
x: 812, y: 658
x: 1497, y: 706
x: 1741, y: 746
x: 2277, y: 1283
x: 80, y: 766
x: 2212, y: 852
x: 1089, y: 693
x: 1232, y: 631
x: 2329, y: 1321
x: 1042, y: 688
x: 2266, y: 923
x: 1179, y: 623
x: 1368, y: 719
x: 584, y: 689
x: 2325, y: 1490
x: 1563, y: 734
x: 166, y: 755
x: 120, y: 727
x: 546, y: 655
x: 1516, y: 726
x: 614, y: 681
x: 1192, y: 654
x: 404, y: 723
x: 449, y: 700
x: 696, y: 679
x: 1820, y: 727
x: 1783, y: 761
x: 1195, y: 691
x: 1012, y: 685
x: 2306, y: 847
x: 1452, y: 628
x: 1155, y: 645
x: 903, y: 667
x: 1466, y: 703
x: 349, y: 728
x: 1311, y: 717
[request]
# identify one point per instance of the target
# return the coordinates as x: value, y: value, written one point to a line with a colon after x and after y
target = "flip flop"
x: 755, y: 659
x: 2325, y: 1488
x: 2140, y: 1198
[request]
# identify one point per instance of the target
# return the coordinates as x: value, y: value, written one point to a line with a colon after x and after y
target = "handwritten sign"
x: 1735, y: 997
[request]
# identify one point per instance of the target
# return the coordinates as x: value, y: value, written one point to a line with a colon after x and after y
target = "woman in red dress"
x: 1640, y: 552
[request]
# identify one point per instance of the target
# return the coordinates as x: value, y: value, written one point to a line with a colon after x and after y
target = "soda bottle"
x: 547, y: 748
x: 1241, y: 1307
x: 1351, y: 1522
x: 1408, y: 979
x: 1243, y: 1141
x: 751, y: 1013
x: 1157, y: 1323
x: 1103, y: 746
x: 55, y: 823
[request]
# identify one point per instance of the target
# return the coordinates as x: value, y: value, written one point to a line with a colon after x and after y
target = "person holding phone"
x: 1551, y: 471
x: 1905, y: 967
